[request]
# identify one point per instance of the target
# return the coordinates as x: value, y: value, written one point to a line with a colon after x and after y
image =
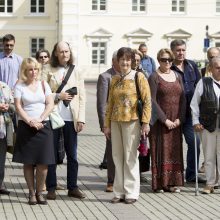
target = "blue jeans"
x: 70, y: 144
x: 190, y: 141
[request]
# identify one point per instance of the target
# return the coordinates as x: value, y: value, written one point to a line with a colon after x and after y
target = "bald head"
x: 214, y: 66
x: 213, y: 52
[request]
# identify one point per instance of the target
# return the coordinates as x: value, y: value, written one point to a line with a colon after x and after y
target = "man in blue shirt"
x: 9, y: 62
x: 147, y: 62
x: 190, y: 76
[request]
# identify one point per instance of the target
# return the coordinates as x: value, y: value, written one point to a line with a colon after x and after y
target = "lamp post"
x: 206, y: 42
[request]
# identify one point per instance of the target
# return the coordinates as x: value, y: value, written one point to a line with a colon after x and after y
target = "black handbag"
x: 139, y: 101
x: 71, y: 91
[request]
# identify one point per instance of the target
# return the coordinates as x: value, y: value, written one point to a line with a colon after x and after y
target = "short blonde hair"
x: 24, y: 65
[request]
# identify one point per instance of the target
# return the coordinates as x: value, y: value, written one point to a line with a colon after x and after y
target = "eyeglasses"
x: 9, y: 45
x: 164, y: 60
x: 41, y: 57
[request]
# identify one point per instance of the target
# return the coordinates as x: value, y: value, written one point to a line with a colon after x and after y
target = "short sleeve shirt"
x: 33, y: 102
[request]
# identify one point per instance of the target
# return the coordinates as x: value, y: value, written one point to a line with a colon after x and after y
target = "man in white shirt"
x: 206, y: 120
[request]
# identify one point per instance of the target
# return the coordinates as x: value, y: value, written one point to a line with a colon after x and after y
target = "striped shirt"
x: 9, y: 68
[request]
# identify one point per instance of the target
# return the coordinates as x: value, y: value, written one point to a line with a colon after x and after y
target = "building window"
x: 178, y: 6
x: 138, y: 5
x: 36, y: 44
x: 6, y: 6
x: 99, y: 53
x: 98, y: 5
x: 37, y: 6
x: 217, y: 6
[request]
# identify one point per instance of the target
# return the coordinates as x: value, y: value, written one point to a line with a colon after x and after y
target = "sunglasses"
x: 9, y: 45
x: 164, y: 60
x: 41, y: 57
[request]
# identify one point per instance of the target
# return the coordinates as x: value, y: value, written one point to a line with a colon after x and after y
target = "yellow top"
x: 122, y: 100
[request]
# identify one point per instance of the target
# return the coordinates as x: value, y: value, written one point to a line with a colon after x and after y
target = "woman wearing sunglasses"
x: 43, y: 57
x: 166, y: 134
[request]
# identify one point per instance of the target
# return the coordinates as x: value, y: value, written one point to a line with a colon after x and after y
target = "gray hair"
x: 177, y: 42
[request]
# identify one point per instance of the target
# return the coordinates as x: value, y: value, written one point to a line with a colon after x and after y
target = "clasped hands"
x: 171, y: 125
x: 36, y: 123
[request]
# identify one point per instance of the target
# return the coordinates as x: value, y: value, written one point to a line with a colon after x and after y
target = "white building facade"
x: 96, y: 28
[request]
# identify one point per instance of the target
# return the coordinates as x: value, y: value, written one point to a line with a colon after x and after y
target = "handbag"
x: 55, y: 119
x: 139, y: 101
x: 61, y: 149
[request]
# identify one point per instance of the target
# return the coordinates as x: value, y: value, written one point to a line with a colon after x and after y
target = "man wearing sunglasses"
x: 190, y: 76
x: 9, y: 62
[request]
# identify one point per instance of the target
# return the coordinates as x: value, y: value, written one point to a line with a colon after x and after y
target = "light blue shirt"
x: 148, y: 65
x: 9, y: 68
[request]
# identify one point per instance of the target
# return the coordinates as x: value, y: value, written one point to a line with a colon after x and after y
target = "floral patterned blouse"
x: 122, y: 100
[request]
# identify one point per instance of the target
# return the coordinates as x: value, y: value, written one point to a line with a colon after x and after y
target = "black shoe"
x: 200, y: 180
x: 4, y: 192
x: 76, y: 193
x: 103, y: 165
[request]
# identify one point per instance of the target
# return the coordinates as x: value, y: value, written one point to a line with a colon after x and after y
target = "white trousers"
x: 211, y: 151
x: 125, y: 141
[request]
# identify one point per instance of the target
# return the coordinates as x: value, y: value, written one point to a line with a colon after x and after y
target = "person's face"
x: 215, y: 69
x: 124, y: 64
x: 31, y: 72
x: 115, y: 64
x: 137, y: 60
x: 180, y: 52
x: 143, y: 50
x: 8, y: 46
x: 165, y: 62
x: 63, y: 53
x: 43, y: 58
x: 212, y: 53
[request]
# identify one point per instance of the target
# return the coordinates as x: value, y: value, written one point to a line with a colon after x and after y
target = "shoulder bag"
x: 139, y: 101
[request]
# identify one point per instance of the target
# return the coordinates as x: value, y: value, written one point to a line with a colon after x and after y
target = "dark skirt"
x: 34, y: 146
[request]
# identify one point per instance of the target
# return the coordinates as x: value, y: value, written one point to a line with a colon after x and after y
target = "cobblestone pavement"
x: 92, y: 181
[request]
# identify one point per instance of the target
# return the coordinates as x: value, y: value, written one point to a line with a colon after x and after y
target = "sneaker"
x: 51, y: 195
x: 76, y: 193
x: 208, y: 190
x: 174, y: 189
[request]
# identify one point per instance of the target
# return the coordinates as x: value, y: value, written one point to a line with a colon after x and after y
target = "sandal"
x: 32, y: 200
x: 41, y: 200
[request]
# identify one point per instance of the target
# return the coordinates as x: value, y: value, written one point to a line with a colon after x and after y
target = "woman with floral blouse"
x: 122, y: 125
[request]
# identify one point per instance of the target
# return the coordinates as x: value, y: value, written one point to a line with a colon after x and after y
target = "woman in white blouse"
x: 34, y: 143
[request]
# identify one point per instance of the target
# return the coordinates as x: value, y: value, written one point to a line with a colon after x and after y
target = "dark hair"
x: 127, y: 52
x: 8, y: 37
x: 177, y: 42
x: 42, y: 51
x: 142, y: 45
x: 54, y: 59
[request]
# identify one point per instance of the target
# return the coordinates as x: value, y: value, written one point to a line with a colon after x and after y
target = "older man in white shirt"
x: 206, y: 119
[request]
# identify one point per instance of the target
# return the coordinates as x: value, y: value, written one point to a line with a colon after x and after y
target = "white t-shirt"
x: 65, y: 112
x: 33, y: 102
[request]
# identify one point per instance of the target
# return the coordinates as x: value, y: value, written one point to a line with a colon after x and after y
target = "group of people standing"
x: 135, y: 101
x: 36, y: 87
x: 169, y: 95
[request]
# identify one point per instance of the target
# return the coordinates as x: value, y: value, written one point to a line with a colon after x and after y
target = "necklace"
x: 164, y: 72
x: 123, y: 75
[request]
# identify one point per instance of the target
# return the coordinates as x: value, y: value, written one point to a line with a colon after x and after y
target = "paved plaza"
x: 92, y: 181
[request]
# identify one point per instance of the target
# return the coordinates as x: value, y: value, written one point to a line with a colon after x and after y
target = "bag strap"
x: 137, y: 87
x: 65, y: 80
